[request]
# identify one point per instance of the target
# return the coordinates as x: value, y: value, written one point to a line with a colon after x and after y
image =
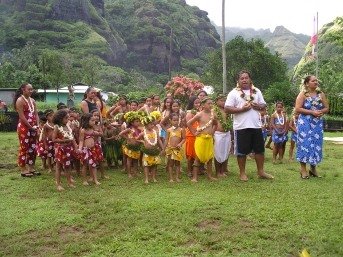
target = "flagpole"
x: 317, y: 49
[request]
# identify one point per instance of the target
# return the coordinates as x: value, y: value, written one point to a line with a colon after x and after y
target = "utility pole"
x: 170, y: 51
x: 223, y: 46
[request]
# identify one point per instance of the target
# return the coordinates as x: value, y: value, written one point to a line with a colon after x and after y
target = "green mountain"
x: 126, y: 33
x: 289, y: 45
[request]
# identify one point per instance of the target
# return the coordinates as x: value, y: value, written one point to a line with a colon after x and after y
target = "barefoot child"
x: 204, y: 137
x: 293, y: 126
x: 278, y: 121
x: 222, y: 136
x: 41, y: 152
x: 175, y: 138
x: 87, y: 148
x: 64, y: 146
x: 48, y: 131
x: 97, y: 142
x: 132, y: 147
x: 192, y: 110
x: 111, y: 148
x: 151, y: 153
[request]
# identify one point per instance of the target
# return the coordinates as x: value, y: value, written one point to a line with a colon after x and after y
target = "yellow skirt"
x: 149, y: 160
x: 175, y: 154
x: 204, y: 147
x: 132, y: 154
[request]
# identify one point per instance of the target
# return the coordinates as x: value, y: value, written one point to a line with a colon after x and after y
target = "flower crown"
x: 148, y: 119
x: 156, y: 114
x: 220, y: 96
x: 142, y: 113
x: 131, y: 116
x: 118, y: 117
x: 205, y: 99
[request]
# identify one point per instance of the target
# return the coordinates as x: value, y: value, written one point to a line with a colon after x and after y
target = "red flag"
x: 314, y: 36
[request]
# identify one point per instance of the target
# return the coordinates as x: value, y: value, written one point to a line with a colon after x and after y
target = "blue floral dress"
x: 310, y: 134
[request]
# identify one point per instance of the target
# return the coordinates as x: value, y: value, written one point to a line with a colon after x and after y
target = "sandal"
x: 33, y: 172
x: 27, y: 175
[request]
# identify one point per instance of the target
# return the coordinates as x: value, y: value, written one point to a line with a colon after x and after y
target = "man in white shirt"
x: 245, y: 102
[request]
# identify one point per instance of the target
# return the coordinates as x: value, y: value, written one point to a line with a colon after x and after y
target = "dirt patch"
x: 70, y: 233
x: 7, y: 166
x: 246, y: 225
x: 209, y: 224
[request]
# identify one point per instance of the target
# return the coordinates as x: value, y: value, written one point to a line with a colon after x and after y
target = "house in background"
x: 63, y: 93
x: 7, y: 94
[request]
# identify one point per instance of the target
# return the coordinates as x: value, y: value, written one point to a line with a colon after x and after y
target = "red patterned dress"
x: 89, y: 154
x: 64, y: 153
x: 27, y: 138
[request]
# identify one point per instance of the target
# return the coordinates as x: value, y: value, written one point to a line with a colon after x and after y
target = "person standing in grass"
x: 203, y: 145
x: 222, y: 136
x: 311, y: 104
x: 245, y: 102
x: 65, y: 145
x: 87, y: 147
x: 151, y: 153
x: 293, y: 126
x: 27, y: 129
x: 280, y: 129
x: 172, y: 147
x: 48, y: 131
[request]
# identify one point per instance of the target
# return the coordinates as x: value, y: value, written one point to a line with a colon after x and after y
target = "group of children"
x: 141, y: 134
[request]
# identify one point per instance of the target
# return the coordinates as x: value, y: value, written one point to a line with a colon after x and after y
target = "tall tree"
x: 91, y: 66
x: 265, y: 67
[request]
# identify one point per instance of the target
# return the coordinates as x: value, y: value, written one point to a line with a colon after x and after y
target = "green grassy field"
x: 124, y: 217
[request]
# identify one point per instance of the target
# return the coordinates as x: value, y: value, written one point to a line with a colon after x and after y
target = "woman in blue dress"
x: 311, y: 104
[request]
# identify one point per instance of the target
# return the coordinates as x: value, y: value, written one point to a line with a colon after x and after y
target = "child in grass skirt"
x: 151, y: 153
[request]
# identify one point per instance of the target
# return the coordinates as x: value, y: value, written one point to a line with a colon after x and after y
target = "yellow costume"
x: 176, y: 154
x: 134, y: 154
x: 204, y: 147
x: 149, y: 160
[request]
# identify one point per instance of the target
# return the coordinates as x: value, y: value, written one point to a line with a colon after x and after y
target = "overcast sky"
x: 295, y: 15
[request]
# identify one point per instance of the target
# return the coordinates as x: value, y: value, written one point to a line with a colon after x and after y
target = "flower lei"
x: 278, y: 118
x: 227, y: 125
x: 147, y: 138
x: 253, y: 92
x: 193, y: 111
x: 263, y: 124
x: 309, y: 98
x: 30, y: 105
x: 66, y: 134
x: 199, y: 129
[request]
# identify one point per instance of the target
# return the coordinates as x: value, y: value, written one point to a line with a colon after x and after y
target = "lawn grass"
x: 124, y: 217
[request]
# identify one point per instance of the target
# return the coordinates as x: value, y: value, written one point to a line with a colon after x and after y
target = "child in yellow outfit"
x: 207, y: 120
x: 151, y: 153
x: 176, y: 136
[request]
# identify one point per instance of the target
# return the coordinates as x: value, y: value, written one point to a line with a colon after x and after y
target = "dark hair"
x: 148, y: 97
x: 95, y: 110
x: 74, y: 109
x: 86, y: 92
x: 58, y: 116
x: 42, y: 118
x: 164, y: 102
x: 278, y: 104
x: 85, y: 120
x: 62, y: 107
x: 174, y: 114
x: 134, y: 101
x: 242, y: 72
x: 18, y: 94
x: 154, y: 95
x: 142, y: 100
x: 191, y: 101
x: 307, y: 79
x: 202, y: 91
x: 40, y: 113
x: 47, y: 112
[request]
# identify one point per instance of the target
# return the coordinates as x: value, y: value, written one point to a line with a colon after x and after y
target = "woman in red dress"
x: 27, y: 129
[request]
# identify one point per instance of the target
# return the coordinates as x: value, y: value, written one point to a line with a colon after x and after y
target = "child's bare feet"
x: 212, y: 178
x: 290, y: 160
x: 90, y: 179
x: 49, y: 171
x: 85, y: 183
x: 42, y: 167
x: 123, y: 169
x: 146, y: 182
x: 60, y: 188
x: 171, y: 181
x: 194, y: 180
x: 71, y: 185
x: 137, y: 175
x: 105, y: 177
x: 178, y: 180
x: 72, y: 180
x: 155, y: 181
x: 130, y: 176
x: 97, y: 183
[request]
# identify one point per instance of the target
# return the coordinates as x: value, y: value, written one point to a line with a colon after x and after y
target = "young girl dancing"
x: 278, y: 121
x: 175, y: 138
x: 87, y: 149
x: 97, y: 142
x: 151, y: 153
x: 132, y: 147
x: 293, y: 126
x: 64, y: 146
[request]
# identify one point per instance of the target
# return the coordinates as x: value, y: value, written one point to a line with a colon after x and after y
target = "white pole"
x: 223, y: 46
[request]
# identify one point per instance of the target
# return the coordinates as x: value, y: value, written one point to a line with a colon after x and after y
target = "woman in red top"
x: 27, y: 129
